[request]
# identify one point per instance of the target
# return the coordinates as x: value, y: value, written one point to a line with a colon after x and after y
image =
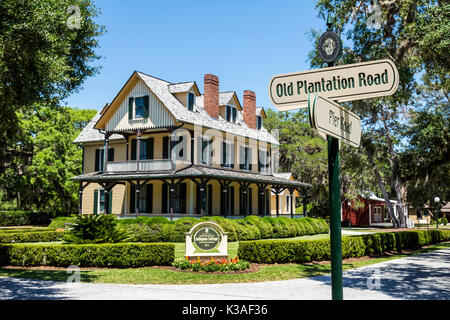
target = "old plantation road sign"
x: 334, y: 120
x: 341, y: 83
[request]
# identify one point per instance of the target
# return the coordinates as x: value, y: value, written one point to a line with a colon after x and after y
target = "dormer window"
x: 259, y: 122
x: 190, y: 101
x: 231, y: 113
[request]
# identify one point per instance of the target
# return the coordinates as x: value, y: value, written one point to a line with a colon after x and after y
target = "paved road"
x: 425, y: 276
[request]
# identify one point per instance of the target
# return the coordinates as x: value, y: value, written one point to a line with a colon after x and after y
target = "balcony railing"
x: 144, y: 165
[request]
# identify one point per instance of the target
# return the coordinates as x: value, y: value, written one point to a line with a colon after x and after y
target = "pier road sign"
x: 332, y: 119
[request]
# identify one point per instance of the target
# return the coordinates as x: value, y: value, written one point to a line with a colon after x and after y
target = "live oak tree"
x: 304, y: 153
x: 38, y: 174
x: 46, y: 51
x: 415, y: 36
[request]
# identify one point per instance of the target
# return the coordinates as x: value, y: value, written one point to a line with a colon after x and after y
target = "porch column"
x: 291, y: 192
x: 277, y: 200
x: 136, y: 198
x: 107, y: 204
x: 261, y: 199
x: 105, y: 152
x: 171, y: 198
x: 138, y: 149
x: 80, y: 202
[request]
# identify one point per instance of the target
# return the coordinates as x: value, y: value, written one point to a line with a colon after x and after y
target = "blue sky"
x: 243, y: 42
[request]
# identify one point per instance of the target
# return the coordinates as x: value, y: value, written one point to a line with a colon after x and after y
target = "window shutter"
x: 231, y: 205
x: 102, y: 159
x: 143, y: 150
x: 250, y: 201
x: 182, y: 197
x: 232, y: 154
x: 132, y: 199
x: 249, y: 159
x: 145, y: 106
x: 133, y: 149
x: 224, y: 154
x: 95, y: 201
x: 234, y: 114
x: 150, y: 146
x: 97, y: 160
x: 149, y: 195
x: 209, y: 209
x: 111, y: 154
x: 241, y: 157
x: 165, y: 186
x: 130, y: 108
x: 165, y: 147
x: 110, y: 202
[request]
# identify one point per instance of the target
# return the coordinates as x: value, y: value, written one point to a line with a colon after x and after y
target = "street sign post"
x: 319, y: 90
x: 330, y: 118
x: 341, y: 83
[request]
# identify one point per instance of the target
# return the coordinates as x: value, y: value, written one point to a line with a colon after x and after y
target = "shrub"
x: 95, y: 228
x: 180, y: 227
x: 265, y: 228
x: 61, y: 222
x: 301, y: 251
x: 22, y: 218
x: 306, y: 224
x: 118, y: 255
x: 36, y: 236
x: 228, y: 225
x: 248, y: 231
x: 278, y: 228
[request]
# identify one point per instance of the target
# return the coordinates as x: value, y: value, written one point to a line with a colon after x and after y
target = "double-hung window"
x: 230, y: 113
x: 138, y: 107
x: 245, y: 159
x: 227, y: 154
x: 259, y: 122
x: 190, y: 103
x: 204, y: 150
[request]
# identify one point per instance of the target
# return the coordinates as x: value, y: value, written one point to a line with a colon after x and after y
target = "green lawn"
x: 156, y: 275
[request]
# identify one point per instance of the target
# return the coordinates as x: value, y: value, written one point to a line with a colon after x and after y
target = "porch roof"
x: 194, y: 171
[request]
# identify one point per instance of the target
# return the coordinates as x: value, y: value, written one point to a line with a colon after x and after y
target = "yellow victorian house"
x: 166, y: 149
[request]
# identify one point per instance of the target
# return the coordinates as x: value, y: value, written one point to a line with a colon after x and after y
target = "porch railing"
x: 144, y: 165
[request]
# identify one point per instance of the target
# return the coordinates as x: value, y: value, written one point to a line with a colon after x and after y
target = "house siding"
x: 159, y: 116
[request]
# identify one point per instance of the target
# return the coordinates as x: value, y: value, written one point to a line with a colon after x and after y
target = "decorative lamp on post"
x: 349, y: 215
x: 436, y: 201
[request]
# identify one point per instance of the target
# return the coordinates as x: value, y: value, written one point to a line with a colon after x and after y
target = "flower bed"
x: 220, y: 265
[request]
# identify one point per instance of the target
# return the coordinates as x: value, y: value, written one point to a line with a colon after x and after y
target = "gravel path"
x: 425, y: 276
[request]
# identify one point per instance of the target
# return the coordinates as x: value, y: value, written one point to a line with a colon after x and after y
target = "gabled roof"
x: 226, y: 97
x: 260, y: 111
x: 183, y: 87
x: 161, y: 89
x: 89, y: 134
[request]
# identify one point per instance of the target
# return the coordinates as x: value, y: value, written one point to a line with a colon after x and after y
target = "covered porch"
x: 195, y: 191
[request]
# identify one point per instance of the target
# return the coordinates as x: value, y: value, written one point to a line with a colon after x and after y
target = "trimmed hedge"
x: 112, y: 255
x: 23, y: 218
x: 301, y: 251
x: 30, y: 236
x: 160, y: 229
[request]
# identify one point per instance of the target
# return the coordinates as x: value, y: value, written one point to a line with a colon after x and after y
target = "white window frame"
x: 99, y: 210
x: 134, y: 105
x: 187, y: 100
x: 232, y: 106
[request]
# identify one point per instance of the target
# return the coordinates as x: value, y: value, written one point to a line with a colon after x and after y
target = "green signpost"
x: 320, y: 90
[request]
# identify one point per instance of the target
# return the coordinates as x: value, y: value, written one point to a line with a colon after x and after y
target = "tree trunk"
x: 385, y: 194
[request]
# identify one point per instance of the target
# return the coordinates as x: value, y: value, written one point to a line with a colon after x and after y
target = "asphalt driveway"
x: 425, y: 277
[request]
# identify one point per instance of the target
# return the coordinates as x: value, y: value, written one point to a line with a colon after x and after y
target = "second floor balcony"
x: 142, y: 165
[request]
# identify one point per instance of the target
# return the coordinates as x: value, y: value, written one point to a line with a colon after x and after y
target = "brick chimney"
x: 250, y: 109
x: 211, y: 95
